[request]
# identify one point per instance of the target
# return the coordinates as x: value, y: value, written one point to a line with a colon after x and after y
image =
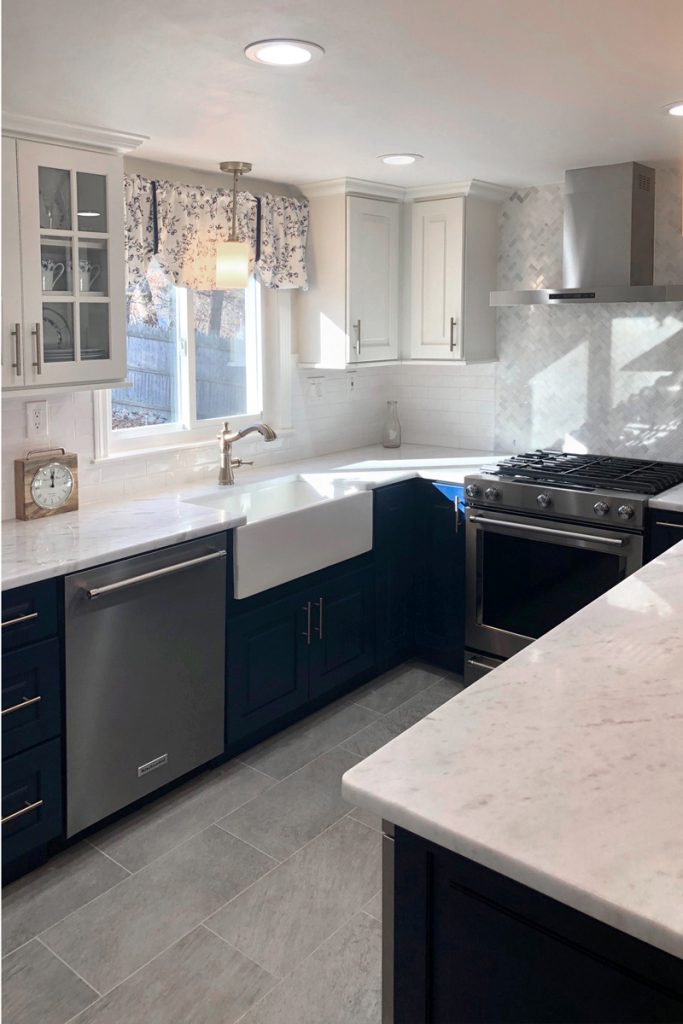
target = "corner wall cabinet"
x: 63, y: 267
x: 453, y: 269
x: 350, y: 313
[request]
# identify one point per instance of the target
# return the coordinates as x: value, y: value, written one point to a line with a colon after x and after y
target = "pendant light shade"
x: 232, y: 257
x: 232, y: 265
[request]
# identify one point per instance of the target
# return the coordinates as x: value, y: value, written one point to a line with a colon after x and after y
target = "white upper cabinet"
x: 63, y: 267
x: 372, y: 275
x: 453, y: 269
x: 349, y: 315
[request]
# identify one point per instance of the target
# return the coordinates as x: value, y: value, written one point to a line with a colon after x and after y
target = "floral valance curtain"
x: 174, y: 229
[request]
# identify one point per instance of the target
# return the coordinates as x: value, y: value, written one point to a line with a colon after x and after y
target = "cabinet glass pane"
x: 55, y: 265
x: 92, y: 201
x: 54, y: 186
x: 92, y: 268
x: 58, y: 332
x: 94, y: 330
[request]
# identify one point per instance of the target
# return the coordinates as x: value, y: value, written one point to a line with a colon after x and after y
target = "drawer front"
x: 31, y: 799
x: 29, y: 614
x: 31, y: 697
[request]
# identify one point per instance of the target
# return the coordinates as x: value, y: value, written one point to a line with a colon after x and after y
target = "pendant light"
x: 232, y: 257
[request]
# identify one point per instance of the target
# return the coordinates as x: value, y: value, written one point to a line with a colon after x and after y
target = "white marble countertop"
x: 563, y: 768
x: 671, y: 500
x: 97, y: 533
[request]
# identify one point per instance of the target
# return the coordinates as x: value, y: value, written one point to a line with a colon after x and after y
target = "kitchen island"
x: 539, y: 840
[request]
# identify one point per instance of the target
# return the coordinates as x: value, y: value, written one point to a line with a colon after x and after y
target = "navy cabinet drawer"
x: 29, y: 614
x: 31, y: 799
x: 31, y: 696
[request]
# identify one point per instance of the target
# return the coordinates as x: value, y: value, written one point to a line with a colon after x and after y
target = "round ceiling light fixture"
x: 400, y: 159
x: 675, y: 109
x: 283, y: 53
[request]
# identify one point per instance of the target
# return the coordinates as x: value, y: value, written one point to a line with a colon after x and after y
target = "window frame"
x: 188, y: 430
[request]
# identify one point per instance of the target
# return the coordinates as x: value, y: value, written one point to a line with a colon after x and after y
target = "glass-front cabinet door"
x: 71, y: 223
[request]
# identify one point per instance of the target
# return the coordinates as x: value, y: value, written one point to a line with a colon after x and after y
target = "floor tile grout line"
x: 73, y: 970
x: 112, y: 859
x: 246, y: 956
x: 249, y: 842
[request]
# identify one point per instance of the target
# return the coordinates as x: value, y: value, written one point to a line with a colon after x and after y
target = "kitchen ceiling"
x: 512, y: 92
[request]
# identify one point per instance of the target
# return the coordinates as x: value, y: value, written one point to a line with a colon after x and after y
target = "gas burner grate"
x: 592, y: 472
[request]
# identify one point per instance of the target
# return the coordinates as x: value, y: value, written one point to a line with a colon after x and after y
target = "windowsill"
x: 160, y: 449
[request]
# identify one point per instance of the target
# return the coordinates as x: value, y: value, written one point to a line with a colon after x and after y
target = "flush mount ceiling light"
x: 676, y: 109
x: 400, y: 159
x: 232, y: 257
x: 284, y: 53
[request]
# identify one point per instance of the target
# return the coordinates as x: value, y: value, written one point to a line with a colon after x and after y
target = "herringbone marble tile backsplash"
x: 607, y: 378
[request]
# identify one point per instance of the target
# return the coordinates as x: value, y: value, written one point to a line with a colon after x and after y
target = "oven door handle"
x: 616, y: 542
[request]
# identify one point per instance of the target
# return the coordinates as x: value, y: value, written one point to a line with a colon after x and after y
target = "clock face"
x: 52, y: 485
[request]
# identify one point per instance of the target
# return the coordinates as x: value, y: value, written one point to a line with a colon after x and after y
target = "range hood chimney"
x: 608, y: 248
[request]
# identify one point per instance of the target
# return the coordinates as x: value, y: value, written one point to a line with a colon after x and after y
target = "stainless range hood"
x: 609, y: 227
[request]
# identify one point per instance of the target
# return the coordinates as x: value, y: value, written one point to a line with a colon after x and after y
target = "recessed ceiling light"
x: 675, y: 108
x: 399, y: 159
x: 283, y: 52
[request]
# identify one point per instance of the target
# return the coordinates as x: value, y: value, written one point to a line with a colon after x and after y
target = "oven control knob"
x: 543, y: 500
x: 601, y: 508
x: 625, y: 511
x: 491, y: 493
x: 472, y: 491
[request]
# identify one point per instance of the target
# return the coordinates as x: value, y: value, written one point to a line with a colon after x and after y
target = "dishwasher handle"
x: 155, y: 574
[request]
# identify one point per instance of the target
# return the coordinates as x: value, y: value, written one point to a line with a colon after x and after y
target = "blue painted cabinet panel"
x: 31, y: 696
x: 343, y: 636
x: 31, y: 799
x: 395, y: 554
x: 665, y: 530
x: 29, y: 614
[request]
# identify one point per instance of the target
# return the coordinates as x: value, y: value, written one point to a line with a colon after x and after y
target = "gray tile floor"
x: 249, y: 894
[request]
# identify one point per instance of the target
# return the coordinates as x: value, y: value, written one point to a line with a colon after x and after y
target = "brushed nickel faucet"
x: 227, y: 438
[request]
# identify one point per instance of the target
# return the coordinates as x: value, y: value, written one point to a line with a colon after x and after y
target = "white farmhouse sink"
x: 294, y: 526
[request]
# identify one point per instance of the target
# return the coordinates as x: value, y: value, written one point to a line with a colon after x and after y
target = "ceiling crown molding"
x: 471, y: 187
x: 402, y: 194
x: 39, y: 129
x: 352, y: 186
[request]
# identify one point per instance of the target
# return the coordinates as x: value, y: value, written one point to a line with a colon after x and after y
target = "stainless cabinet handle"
x: 155, y: 574
x: 452, y: 335
x: 16, y: 334
x: 671, y: 526
x: 356, y: 327
x: 37, y: 334
x: 480, y: 664
x: 613, y: 541
x: 457, y: 514
x: 24, y: 810
x: 21, y: 618
x: 26, y: 702
x: 319, y: 627
x: 307, y: 632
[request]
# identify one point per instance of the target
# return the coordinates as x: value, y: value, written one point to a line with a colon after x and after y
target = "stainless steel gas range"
x: 547, y: 533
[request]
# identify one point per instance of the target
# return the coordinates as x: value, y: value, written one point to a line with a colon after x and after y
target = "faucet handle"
x: 241, y: 462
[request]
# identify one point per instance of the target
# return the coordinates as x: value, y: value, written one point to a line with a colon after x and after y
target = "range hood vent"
x: 608, y: 246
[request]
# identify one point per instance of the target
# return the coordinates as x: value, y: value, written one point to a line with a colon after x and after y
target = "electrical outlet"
x: 316, y: 389
x: 351, y: 384
x: 36, y: 420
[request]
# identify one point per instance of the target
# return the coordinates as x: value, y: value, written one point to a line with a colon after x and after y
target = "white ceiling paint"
x: 511, y: 91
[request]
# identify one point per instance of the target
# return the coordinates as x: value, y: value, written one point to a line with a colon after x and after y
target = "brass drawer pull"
x: 24, y: 810
x: 26, y: 702
x: 20, y: 619
x: 319, y: 627
x: 307, y: 632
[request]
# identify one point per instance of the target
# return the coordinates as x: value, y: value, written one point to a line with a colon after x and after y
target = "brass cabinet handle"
x: 356, y: 327
x: 37, y: 334
x: 671, y: 526
x: 307, y: 632
x: 452, y: 336
x: 25, y: 702
x: 319, y: 627
x: 16, y: 334
x: 21, y: 618
x: 24, y: 810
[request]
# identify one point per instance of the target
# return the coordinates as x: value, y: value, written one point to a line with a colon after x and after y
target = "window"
x: 194, y: 358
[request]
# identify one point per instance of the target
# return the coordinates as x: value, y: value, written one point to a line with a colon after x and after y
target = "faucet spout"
x: 227, y: 438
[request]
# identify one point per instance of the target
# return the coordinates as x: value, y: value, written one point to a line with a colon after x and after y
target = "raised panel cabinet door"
x: 666, y: 529
x: 437, y: 279
x: 372, y: 279
x: 31, y: 799
x: 13, y: 339
x: 394, y: 547
x: 72, y: 264
x: 267, y: 665
x: 343, y: 643
x: 31, y: 696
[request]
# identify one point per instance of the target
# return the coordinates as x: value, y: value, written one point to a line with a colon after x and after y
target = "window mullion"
x: 191, y: 363
x: 185, y: 337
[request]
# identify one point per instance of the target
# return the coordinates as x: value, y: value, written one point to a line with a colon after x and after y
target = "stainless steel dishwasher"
x: 145, y: 674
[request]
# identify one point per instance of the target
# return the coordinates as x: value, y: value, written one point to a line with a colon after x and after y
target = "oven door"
x: 525, y: 576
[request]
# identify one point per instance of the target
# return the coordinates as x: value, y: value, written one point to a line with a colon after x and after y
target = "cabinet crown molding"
x: 404, y: 194
x: 447, y: 190
x: 38, y: 129
x: 352, y: 186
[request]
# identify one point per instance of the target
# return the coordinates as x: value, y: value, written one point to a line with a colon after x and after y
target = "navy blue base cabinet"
x: 395, y: 560
x: 293, y: 648
x: 474, y: 947
x: 665, y: 530
x: 439, y: 597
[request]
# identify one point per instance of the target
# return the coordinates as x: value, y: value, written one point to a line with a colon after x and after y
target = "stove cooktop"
x: 590, y: 472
